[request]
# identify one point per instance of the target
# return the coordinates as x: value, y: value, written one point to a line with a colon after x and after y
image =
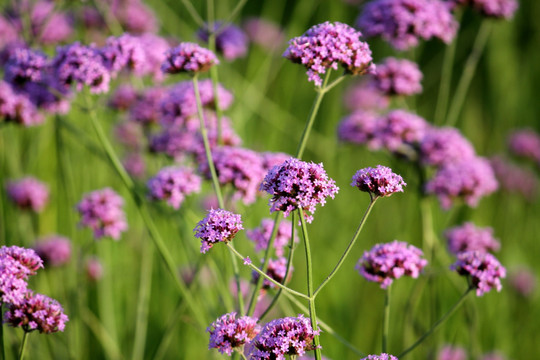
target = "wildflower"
x: 296, y: 184
x: 27, y: 261
x: 25, y: 65
x: 383, y: 356
x: 55, y: 250
x: 328, y: 45
x: 231, y: 41
x: 500, y: 9
x: 449, y: 352
x: 483, y: 270
x: 134, y: 164
x: 37, y: 312
x: 228, y: 332
x: 28, y: 193
x: 101, y: 211
x: 173, y: 184
x: 523, y: 281
x: 261, y: 235
x: 386, y: 262
x: 264, y: 33
x: 271, y: 159
x: 188, y: 57
x: 16, y: 264
x: 129, y: 134
x: 470, y: 237
x: 146, y: 109
x: 364, y: 95
x: 247, y: 261
x: 17, y: 108
x: 155, y: 50
x: 123, y: 97
x: 94, y: 269
x: 218, y: 226
x: 49, y: 26
x: 123, y: 52
x: 514, y: 178
x: 398, y: 77
x: 403, y: 22
x: 135, y: 16
x: 398, y: 131
x: 379, y: 182
x: 285, y: 336
x: 440, y: 146
x: 358, y: 128
x: 276, y: 270
x: 525, y: 143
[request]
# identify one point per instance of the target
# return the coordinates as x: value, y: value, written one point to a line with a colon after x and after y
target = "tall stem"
x: 311, y: 301
x: 212, y: 32
x: 23, y: 345
x: 386, y: 320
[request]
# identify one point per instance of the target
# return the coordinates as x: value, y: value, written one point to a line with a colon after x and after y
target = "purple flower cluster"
x: 37, y: 312
x: 449, y: 352
x: 17, y: 108
x: 398, y: 77
x: 261, y: 235
x: 378, y: 182
x: 55, y: 250
x: 296, y: 184
x: 514, y: 178
x: 285, y: 336
x: 229, y: 332
x: 264, y: 33
x: 403, y: 22
x: 146, y: 107
x: 93, y: 269
x: 329, y: 45
x: 123, y: 97
x: 523, y: 281
x: 500, y: 9
x: 231, y: 41
x: 483, y: 270
x: 441, y: 146
x: 16, y: 265
x: 398, y: 130
x: 25, y: 65
x: 525, y: 143
x: 383, y: 356
x: 28, y: 193
x: 188, y: 57
x: 101, y: 211
x: 469, y: 237
x: 123, y: 52
x: 173, y: 184
x: 386, y: 262
x: 359, y: 128
x: 218, y: 226
x: 364, y: 95
x: 277, y: 268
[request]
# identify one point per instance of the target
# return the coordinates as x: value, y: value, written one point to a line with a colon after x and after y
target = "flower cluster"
x: 17, y: 108
x: 231, y: 41
x: 364, y: 95
x: 468, y: 237
x: 218, y: 226
x: 525, y: 143
x: 229, y: 332
x: 25, y: 65
x: 277, y: 270
x: 386, y: 262
x: 359, y: 128
x: 523, y: 281
x: 514, y: 178
x: 55, y: 250
x: 483, y: 270
x: 398, y: 130
x: 188, y: 57
x: 398, y: 77
x: 261, y: 235
x: 285, y: 336
x: 123, y: 52
x: 329, y: 45
x: 379, y: 181
x: 28, y: 193
x: 383, y: 356
x: 16, y: 264
x: 101, y: 211
x: 173, y: 184
x: 500, y: 9
x: 264, y: 33
x: 296, y: 184
x: 450, y: 352
x: 444, y: 145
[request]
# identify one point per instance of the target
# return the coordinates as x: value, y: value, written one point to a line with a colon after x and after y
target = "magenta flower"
x: 500, y: 9
x: 17, y: 108
x: 398, y: 131
x: 359, y: 128
x: 276, y: 270
x: 55, y: 250
x: 101, y: 211
x: 231, y: 41
x: 27, y: 262
x: 146, y: 109
x: 514, y: 178
x: 188, y: 57
x: 449, y: 352
x: 494, y: 355
x: 218, y: 226
x: 378, y: 182
x: 286, y: 336
x: 155, y: 50
x: 229, y: 332
x: 483, y: 270
x: 28, y: 193
x: 398, y: 77
x: 383, y: 356
x: 327, y: 46
x: 173, y: 184
x: 470, y: 237
x: 261, y: 235
x: 364, y: 95
x: 48, y: 25
x: 25, y: 65
x: 264, y: 33
x: 16, y: 264
x: 123, y: 97
x: 93, y: 269
x: 523, y: 281
x: 123, y: 52
x: 525, y: 143
x: 441, y: 146
x: 386, y: 262
x: 296, y: 184
x: 134, y: 164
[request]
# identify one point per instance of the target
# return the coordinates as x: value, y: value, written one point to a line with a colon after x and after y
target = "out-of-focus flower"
x: 515, y: 179
x: 483, y: 270
x: 359, y: 128
x: 379, y: 181
x: 123, y: 52
x: 523, y: 281
x: 218, y: 226
x: 135, y: 16
x: 264, y: 33
x: 134, y: 164
x: 445, y: 145
x: 101, y: 211
x: 277, y: 268
x: 398, y: 130
x: 383, y: 356
x: 525, y: 143
x: 173, y: 184
x: 55, y: 250
x: 494, y: 355
x: 500, y: 9
x: 155, y: 49
x: 470, y: 237
x: 25, y: 65
x: 17, y: 108
x: 188, y: 57
x: 28, y: 193
x: 94, y: 269
x: 229, y: 332
x: 398, y: 77
x: 261, y: 235
x: 123, y: 97
x: 450, y: 352
x: 146, y: 109
x: 231, y: 41
x: 129, y: 134
x: 364, y: 95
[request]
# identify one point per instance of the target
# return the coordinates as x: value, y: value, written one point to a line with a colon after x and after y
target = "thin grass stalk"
x: 386, y: 320
x: 193, y: 13
x: 23, y: 345
x: 239, y: 5
x: 112, y: 351
x: 107, y: 313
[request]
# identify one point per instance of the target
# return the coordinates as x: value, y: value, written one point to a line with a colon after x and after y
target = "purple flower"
x: 364, y: 95
x: 55, y: 250
x: 441, y: 146
x: 261, y: 235
x: 23, y: 66
x: 449, y: 352
x: 359, y: 128
x: 383, y: 356
x: 514, y: 178
x: 93, y: 269
x: 173, y: 184
x: 27, y: 262
x: 398, y: 77
x: 285, y: 336
x: 525, y: 143
x: 146, y: 109
x: 483, y: 270
x: 523, y: 281
x: 229, y: 332
x: 123, y: 52
x: 264, y: 33
x: 8, y: 33
x: 403, y: 22
x: 231, y: 41
x: 386, y: 262
x: 37, y: 312
x: 500, y: 9
x: 218, y: 226
x: 49, y: 26
x: 469, y: 180
x: 135, y: 16
x: 188, y: 57
x: 28, y: 193
x: 129, y: 134
x: 276, y: 270
x: 296, y: 184
x: 271, y: 159
x: 17, y: 108
x: 134, y: 164
x: 12, y: 286
x: 123, y: 97
x: 155, y: 49
x: 398, y: 130
x: 101, y: 211
x: 379, y: 182
x: 328, y: 45
x: 470, y: 237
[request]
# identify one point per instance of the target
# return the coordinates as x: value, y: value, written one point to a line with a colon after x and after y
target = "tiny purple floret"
x: 483, y: 270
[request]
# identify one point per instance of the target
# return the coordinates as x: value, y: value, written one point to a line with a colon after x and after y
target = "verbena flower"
x: 398, y: 130
x: 450, y: 352
x: 494, y: 355
x: 123, y: 52
x: 329, y: 45
x: 16, y: 264
x: 523, y: 281
x: 483, y: 270
x: 49, y: 25
x: 379, y: 181
x: 229, y: 332
x: 285, y: 336
x: 135, y: 16
x: 470, y: 237
x: 27, y: 261
x: 101, y: 211
x: 123, y: 97
x: 525, y: 143
x: 28, y: 193
x: 261, y: 235
x: 17, y: 108
x: 364, y: 95
x: 37, y: 312
x: 403, y: 23
x: 445, y: 145
x: 146, y: 109
x: 264, y: 33
x: 231, y: 41
x: 173, y: 184
x: 93, y: 269
x: 277, y: 268
x: 218, y: 226
x: 188, y: 57
x: 383, y: 356
x: 398, y: 77
x: 129, y: 134
x: 55, y: 250
x: 271, y: 159
x: 500, y: 9
x: 25, y: 65
x: 359, y: 128
x: 514, y: 178
x: 386, y: 262
x: 296, y: 184
x: 134, y: 164
x: 155, y: 50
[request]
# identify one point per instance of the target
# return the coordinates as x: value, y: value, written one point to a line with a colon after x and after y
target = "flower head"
x: 515, y: 178
x: 173, y: 184
x: 101, y: 211
x: 264, y: 33
x: 231, y: 41
x: 398, y: 77
x: 449, y: 352
x: 55, y: 250
x: 364, y: 95
x: 483, y: 270
x: 296, y: 184
x: 123, y: 52
x: 93, y: 269
x: 28, y: 193
x: 358, y: 127
x: 218, y: 226
x: 329, y: 45
x: 524, y: 281
x: 188, y: 57
x: 27, y: 261
x: 16, y: 264
x: 276, y: 270
x: 383, y: 356
x: 229, y: 332
x: 261, y: 235
x: 470, y: 237
x: 500, y: 9
x: 25, y: 65
x: 441, y: 146
x: 379, y: 182
x: 17, y: 108
x: 386, y: 262
x: 525, y: 143
x: 398, y: 130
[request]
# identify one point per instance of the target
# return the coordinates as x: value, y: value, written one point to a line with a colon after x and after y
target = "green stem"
x: 191, y: 10
x: 437, y: 324
x: 311, y: 301
x: 468, y: 72
x: 386, y: 320
x: 23, y: 345
x: 349, y: 247
x: 2, y: 349
x: 236, y: 10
